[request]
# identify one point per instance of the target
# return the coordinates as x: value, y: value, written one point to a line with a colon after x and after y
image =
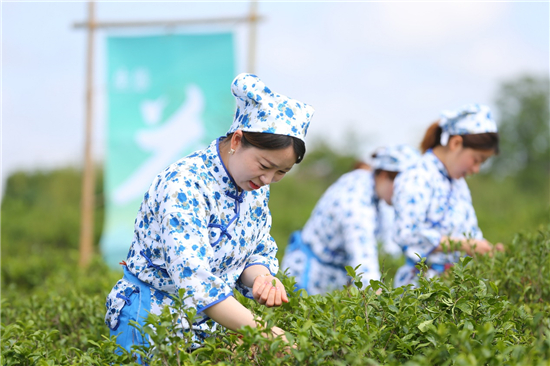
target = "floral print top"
x: 343, y: 229
x: 429, y: 204
x: 195, y: 231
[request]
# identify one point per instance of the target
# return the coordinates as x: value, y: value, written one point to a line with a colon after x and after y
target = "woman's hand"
x: 482, y: 246
x: 269, y: 291
x: 278, y: 332
x: 499, y: 247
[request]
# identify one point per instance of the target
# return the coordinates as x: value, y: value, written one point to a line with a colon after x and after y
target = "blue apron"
x: 138, y: 306
x: 295, y: 243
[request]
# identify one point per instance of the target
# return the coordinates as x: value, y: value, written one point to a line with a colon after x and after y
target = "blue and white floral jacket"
x: 194, y: 231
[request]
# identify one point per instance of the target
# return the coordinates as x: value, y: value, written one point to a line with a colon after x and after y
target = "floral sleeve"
x: 264, y: 255
x: 412, y: 229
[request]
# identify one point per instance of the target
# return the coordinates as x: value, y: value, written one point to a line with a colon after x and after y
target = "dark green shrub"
x: 463, y: 321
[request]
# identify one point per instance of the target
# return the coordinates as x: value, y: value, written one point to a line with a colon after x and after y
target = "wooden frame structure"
x: 88, y: 180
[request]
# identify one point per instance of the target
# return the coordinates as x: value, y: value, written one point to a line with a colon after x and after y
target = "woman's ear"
x: 455, y: 143
x: 236, y: 139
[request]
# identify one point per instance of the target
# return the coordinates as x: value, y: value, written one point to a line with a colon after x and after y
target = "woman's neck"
x: 442, y: 154
x: 224, y: 153
x: 224, y: 148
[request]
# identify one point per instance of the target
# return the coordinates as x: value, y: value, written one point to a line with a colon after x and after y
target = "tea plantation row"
x: 485, y: 311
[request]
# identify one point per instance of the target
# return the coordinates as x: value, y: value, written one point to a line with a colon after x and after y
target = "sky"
x: 377, y: 73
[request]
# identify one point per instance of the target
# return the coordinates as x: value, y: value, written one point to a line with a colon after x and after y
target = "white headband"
x: 470, y: 119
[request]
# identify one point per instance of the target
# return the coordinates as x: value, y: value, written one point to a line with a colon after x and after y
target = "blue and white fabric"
x: 342, y: 231
x: 387, y: 216
x: 195, y: 231
x: 261, y: 110
x: 429, y: 204
x: 394, y: 158
x: 470, y: 119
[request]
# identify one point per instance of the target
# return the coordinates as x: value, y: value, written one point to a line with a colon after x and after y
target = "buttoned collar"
x: 432, y: 158
x: 214, y: 163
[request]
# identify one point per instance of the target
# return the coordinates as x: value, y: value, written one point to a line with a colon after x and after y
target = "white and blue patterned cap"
x: 395, y: 158
x: 470, y: 119
x: 261, y: 110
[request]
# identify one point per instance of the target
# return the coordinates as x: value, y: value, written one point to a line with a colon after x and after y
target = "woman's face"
x: 384, y: 187
x: 252, y: 168
x: 466, y: 161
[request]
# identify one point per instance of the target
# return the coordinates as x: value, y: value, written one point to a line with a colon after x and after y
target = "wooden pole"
x: 88, y: 180
x: 166, y: 23
x: 253, y: 19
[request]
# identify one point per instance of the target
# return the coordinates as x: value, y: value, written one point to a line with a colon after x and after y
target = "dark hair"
x: 360, y: 164
x: 391, y: 175
x: 271, y: 141
x: 477, y: 141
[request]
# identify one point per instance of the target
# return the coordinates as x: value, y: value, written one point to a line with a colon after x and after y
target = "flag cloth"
x: 167, y: 96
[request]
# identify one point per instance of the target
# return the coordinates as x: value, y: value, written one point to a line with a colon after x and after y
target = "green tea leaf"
x: 426, y: 325
x: 425, y: 296
x: 350, y: 271
x: 464, y: 306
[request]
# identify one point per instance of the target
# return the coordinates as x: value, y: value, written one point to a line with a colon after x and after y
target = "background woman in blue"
x: 204, y: 224
x: 433, y: 206
x: 345, y: 225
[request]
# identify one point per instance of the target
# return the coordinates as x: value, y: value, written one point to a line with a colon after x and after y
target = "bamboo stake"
x: 88, y: 181
x: 253, y: 19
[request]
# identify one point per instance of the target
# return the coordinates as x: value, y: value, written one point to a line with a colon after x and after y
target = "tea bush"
x: 523, y: 272
x: 484, y: 311
x: 59, y: 319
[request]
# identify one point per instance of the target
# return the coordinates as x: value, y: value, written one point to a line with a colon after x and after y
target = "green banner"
x: 167, y: 96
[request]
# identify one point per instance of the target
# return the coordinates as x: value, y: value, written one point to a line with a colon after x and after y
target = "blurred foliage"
x: 40, y: 213
x: 514, y: 192
x: 524, y: 130
x: 35, y: 201
x: 504, y: 207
